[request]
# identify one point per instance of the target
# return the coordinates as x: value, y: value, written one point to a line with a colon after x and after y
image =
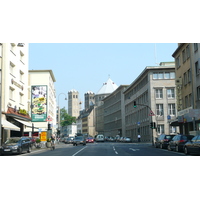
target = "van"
x: 99, y: 138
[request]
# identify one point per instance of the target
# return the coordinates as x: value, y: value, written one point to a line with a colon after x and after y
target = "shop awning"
x: 7, y: 125
x: 28, y: 124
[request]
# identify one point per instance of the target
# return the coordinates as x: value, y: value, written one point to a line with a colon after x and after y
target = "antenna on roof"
x: 155, y: 54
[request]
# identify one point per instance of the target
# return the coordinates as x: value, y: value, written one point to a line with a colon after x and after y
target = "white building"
x: 43, y: 99
x: 14, y: 90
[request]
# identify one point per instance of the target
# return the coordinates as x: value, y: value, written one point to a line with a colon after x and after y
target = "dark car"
x: 177, y: 143
x: 79, y: 140
x: 69, y: 140
x: 192, y: 146
x: 16, y: 145
x: 163, y: 140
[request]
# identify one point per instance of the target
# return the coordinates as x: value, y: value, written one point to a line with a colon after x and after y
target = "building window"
x: 11, y: 93
x: 185, y: 78
x: 189, y: 75
x: 171, y: 109
x: 160, y: 129
x: 197, y: 68
x: 178, y: 63
x: 172, y: 129
x: 21, y: 56
x: 188, y: 51
x: 159, y: 93
x: 186, y: 101
x: 155, y: 75
x: 190, y: 100
x: 21, y: 76
x: 160, y: 75
x: 13, y: 48
x: 21, y: 97
x: 159, y: 109
x: 170, y: 93
x: 12, y: 68
x: 198, y: 93
x: 195, y: 46
x: 184, y: 55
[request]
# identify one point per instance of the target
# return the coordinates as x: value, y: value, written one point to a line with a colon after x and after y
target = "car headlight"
x: 14, y: 147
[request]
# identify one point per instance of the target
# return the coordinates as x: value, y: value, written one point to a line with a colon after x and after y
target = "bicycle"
x: 52, y: 145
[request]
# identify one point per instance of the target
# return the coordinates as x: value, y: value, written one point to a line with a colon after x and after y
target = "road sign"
x: 48, y: 119
x: 168, y: 117
x: 151, y: 113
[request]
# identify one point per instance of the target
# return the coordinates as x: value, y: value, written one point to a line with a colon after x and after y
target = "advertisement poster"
x: 39, y: 103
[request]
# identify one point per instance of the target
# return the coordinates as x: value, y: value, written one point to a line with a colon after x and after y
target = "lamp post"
x: 59, y: 109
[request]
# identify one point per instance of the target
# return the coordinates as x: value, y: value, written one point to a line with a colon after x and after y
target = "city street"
x: 105, y: 149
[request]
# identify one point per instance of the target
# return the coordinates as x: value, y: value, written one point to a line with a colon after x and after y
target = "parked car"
x: 69, y: 140
x: 127, y: 139
x: 99, y: 138
x: 177, y: 143
x: 16, y: 145
x: 163, y: 140
x: 192, y: 146
x: 90, y: 139
x: 79, y: 140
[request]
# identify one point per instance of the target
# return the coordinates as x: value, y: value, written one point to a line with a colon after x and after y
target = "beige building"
x: 42, y: 97
x: 73, y: 103
x: 15, y: 119
x: 154, y: 93
x: 187, y: 60
x: 114, y: 115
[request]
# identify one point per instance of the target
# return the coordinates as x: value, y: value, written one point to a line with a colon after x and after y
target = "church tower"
x: 89, y: 99
x: 73, y: 103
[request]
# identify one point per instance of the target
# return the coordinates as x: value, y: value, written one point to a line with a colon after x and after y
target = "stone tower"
x: 73, y: 103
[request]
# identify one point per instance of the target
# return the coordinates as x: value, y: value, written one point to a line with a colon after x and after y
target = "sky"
x: 86, y: 66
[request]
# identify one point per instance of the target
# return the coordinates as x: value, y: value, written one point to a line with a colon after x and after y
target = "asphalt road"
x: 105, y: 149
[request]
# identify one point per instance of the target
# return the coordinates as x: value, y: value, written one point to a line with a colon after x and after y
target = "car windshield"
x: 12, y: 140
x: 79, y: 138
x: 169, y: 136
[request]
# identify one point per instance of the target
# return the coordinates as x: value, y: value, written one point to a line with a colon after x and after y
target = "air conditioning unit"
x: 178, y: 81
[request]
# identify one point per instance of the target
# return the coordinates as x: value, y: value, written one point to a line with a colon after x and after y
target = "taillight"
x: 166, y: 140
x: 181, y: 140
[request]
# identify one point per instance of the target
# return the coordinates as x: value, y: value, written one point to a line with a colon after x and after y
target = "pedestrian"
x: 139, y: 137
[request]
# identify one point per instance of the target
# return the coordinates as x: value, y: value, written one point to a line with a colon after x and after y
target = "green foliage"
x: 38, y: 140
x: 66, y: 119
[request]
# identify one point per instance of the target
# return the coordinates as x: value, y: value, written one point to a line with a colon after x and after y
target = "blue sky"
x: 86, y: 66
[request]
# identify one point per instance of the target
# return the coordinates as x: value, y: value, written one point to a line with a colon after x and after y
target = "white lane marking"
x: 79, y: 151
x: 115, y: 150
x: 134, y: 149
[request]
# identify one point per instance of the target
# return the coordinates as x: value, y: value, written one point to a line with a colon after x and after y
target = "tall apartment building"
x: 154, y: 92
x: 15, y: 119
x: 187, y: 60
x: 42, y: 97
x: 114, y: 115
x: 73, y: 103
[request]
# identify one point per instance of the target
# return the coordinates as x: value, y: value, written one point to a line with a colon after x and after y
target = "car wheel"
x: 161, y: 146
x: 29, y: 150
x: 186, y: 151
x: 169, y: 148
x: 177, y: 149
x: 73, y: 144
x: 20, y: 150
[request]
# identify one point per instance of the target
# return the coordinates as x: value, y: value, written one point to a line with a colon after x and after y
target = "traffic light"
x: 151, y: 125
x: 134, y: 104
x: 49, y: 126
x: 154, y: 125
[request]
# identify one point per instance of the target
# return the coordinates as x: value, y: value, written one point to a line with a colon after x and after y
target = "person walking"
x: 139, y: 137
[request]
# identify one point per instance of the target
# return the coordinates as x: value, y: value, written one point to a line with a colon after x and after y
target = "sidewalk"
x: 43, y: 147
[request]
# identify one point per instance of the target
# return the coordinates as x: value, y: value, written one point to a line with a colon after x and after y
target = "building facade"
x: 15, y: 119
x: 42, y: 98
x: 108, y: 87
x: 154, y: 93
x: 114, y: 114
x: 187, y: 60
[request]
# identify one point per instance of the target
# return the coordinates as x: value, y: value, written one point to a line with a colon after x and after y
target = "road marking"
x: 115, y: 150
x: 134, y: 149
x: 79, y: 151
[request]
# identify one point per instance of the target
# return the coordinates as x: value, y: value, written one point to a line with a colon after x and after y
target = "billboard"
x: 39, y: 103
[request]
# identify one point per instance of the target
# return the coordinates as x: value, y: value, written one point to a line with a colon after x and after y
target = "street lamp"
x: 59, y: 109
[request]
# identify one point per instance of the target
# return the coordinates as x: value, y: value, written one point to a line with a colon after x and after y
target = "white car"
x: 99, y: 138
